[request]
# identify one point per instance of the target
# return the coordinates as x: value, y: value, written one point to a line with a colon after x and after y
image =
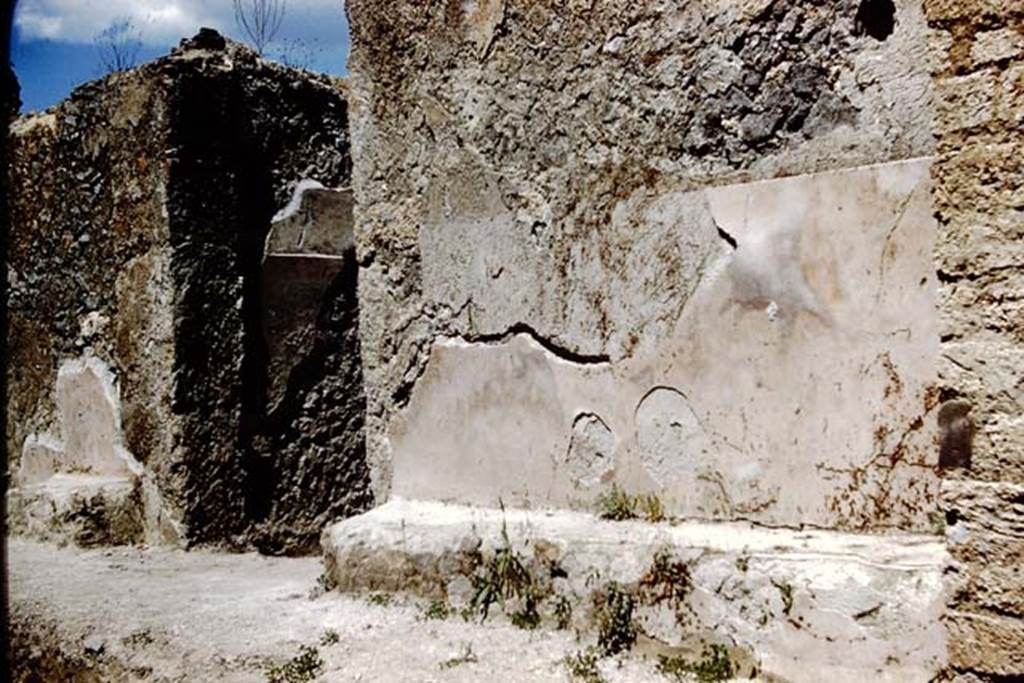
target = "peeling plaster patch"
x: 629, y: 282
x: 552, y: 347
x: 316, y: 221
x: 89, y: 414
x: 813, y: 395
x: 671, y: 439
x: 495, y: 419
x: 292, y: 207
x: 766, y: 272
x: 40, y: 457
x: 591, y: 450
x: 489, y: 413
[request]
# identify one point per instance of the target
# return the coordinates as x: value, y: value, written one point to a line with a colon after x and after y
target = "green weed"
x: 616, y: 505
x: 437, y: 609
x: 667, y: 580
x: 616, y: 631
x: 467, y: 657
x: 382, y: 599
x: 504, y: 576
x: 651, y: 508
x: 582, y: 667
x: 714, y: 665
x: 301, y: 668
x: 563, y: 613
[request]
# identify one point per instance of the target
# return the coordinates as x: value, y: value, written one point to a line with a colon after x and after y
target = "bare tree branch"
x: 118, y: 46
x: 260, y: 20
x: 298, y: 53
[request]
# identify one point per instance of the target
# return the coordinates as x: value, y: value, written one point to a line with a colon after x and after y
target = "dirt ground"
x: 166, y: 615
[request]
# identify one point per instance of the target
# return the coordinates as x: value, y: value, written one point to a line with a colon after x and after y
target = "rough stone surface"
x: 523, y: 166
x: 311, y: 467
x: 977, y: 180
x: 806, y: 352
x: 83, y: 509
x: 803, y: 605
x: 985, y: 534
x: 139, y: 212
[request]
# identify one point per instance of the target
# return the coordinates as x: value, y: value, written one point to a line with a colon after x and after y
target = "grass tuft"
x: 301, y: 668
x: 563, y: 613
x: 616, y: 631
x: 714, y: 665
x: 467, y: 657
x: 582, y: 667
x: 380, y: 598
x: 437, y: 609
x: 501, y: 578
x: 616, y: 505
x: 667, y: 580
x: 650, y: 507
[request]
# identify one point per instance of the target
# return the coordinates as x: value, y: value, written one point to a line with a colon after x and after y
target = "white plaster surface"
x: 861, y: 607
x: 89, y: 416
x: 794, y: 385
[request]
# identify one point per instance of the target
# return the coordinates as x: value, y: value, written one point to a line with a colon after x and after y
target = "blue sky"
x: 53, y: 46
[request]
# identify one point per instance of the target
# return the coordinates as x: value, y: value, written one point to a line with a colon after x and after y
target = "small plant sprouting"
x: 616, y: 631
x: 786, y: 591
x: 527, y: 617
x: 501, y: 578
x: 382, y: 599
x: 667, y: 580
x: 301, y: 668
x: 616, y: 505
x: 938, y: 522
x: 714, y: 665
x: 467, y: 657
x: 437, y: 609
x: 563, y: 613
x: 582, y: 667
x: 330, y: 637
x: 651, y: 508
x: 325, y: 583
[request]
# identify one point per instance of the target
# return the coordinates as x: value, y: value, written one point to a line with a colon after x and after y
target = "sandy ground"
x: 157, y: 614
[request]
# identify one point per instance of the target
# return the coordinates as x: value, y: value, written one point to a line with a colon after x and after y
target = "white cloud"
x: 165, y: 22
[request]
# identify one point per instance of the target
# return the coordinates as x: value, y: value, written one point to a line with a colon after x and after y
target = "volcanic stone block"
x: 86, y: 510
x: 977, y: 180
x: 309, y: 454
x: 804, y: 605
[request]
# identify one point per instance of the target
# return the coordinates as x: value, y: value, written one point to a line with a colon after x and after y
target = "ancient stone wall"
x: 88, y: 237
x: 140, y: 210
x: 577, y: 271
x: 978, y: 178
